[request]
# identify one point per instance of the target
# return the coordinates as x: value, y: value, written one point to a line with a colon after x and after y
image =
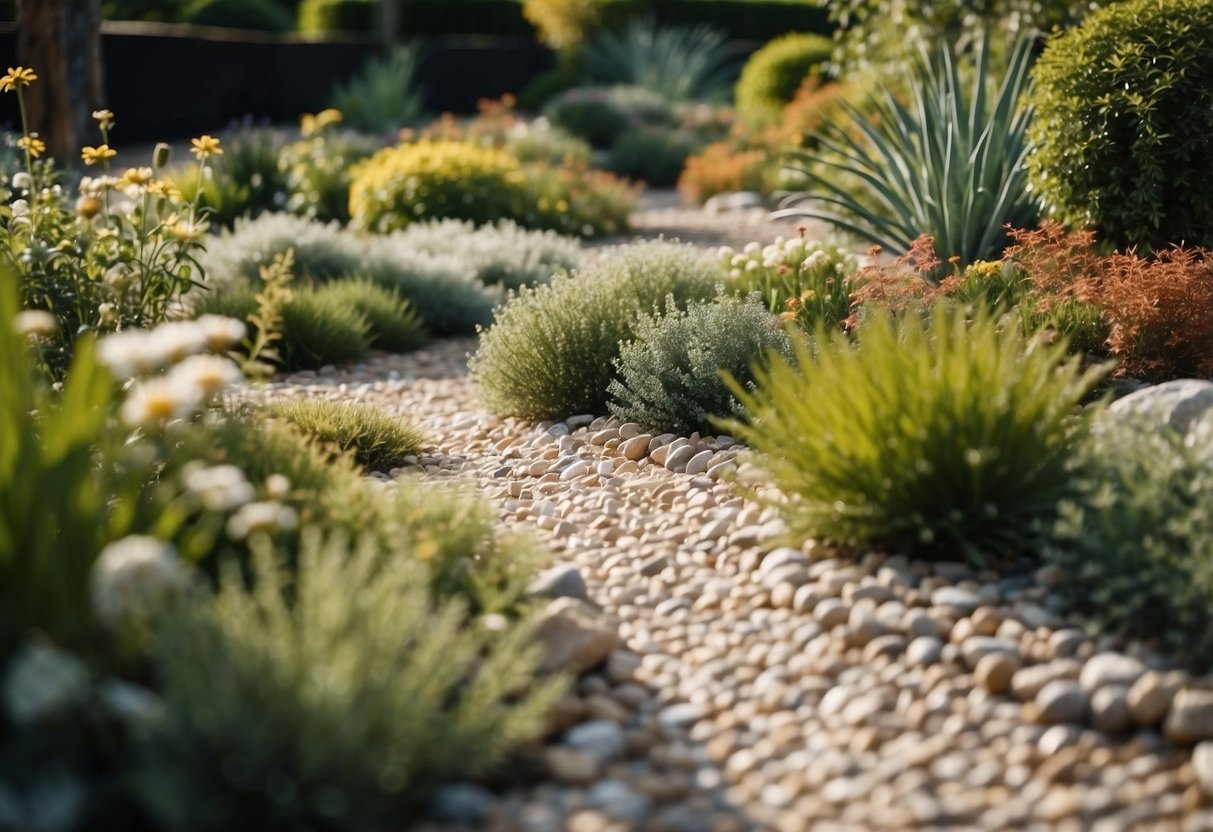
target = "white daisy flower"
x: 133, y: 576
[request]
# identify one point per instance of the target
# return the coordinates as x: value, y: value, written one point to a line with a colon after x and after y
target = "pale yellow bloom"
x: 17, y: 77
x: 92, y: 155
x: 205, y: 146
x: 138, y: 177
x: 31, y: 143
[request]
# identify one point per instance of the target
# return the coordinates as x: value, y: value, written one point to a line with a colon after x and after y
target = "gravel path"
x: 741, y: 685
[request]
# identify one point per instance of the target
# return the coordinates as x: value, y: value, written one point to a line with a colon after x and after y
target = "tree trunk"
x: 61, y: 41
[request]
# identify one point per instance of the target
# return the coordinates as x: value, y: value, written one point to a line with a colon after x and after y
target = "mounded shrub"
x: 1123, y: 114
x: 394, y: 325
x: 337, y: 694
x: 600, y: 114
x: 442, y: 288
x: 325, y: 16
x: 376, y: 440
x: 432, y: 180
x: 670, y: 374
x: 551, y: 348
x: 936, y: 438
x: 1137, y: 544
x: 655, y: 155
x: 239, y: 14
x: 319, y: 329
x: 504, y: 253
x: 775, y: 72
x: 317, y: 174
x: 322, y: 251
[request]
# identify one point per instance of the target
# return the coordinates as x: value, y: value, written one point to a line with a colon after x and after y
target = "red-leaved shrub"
x: 1159, y: 309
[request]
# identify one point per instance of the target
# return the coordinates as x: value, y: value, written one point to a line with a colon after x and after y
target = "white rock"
x: 1191, y: 717
x: 574, y: 635
x: 1202, y: 765
x: 563, y: 581
x: 1110, y: 669
x: 1062, y: 702
x: 1180, y: 403
x: 602, y: 739
x: 699, y: 463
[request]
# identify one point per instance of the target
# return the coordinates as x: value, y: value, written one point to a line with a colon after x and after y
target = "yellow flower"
x: 103, y: 117
x: 205, y: 146
x: 164, y: 188
x: 326, y: 117
x: 92, y: 155
x: 17, y: 77
x: 138, y: 177
x: 34, y: 145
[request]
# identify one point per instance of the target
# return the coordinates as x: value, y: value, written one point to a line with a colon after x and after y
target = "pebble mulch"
x: 730, y: 682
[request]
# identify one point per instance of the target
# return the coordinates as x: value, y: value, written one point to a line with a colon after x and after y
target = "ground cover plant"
x: 953, y: 439
x: 1124, y: 106
x: 550, y: 348
x: 1135, y: 542
x: 670, y: 375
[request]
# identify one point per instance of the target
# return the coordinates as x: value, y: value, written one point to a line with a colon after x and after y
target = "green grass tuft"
x: 938, y: 439
x: 377, y: 441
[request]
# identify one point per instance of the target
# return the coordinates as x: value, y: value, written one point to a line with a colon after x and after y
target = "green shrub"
x: 385, y: 96
x: 1124, y: 110
x: 600, y: 114
x: 678, y: 63
x: 318, y: 329
x: 436, y: 179
x: 335, y: 697
x: 952, y: 438
x: 540, y: 142
x: 775, y: 72
x: 321, y: 17
x: 547, y: 85
x: 443, y: 289
x: 655, y: 155
x: 1137, y: 545
x: 550, y: 349
x: 670, y: 374
x: 504, y: 254
x: 239, y: 14
x: 322, y: 251
x: 394, y: 325
x: 450, y: 529
x: 317, y: 174
x: 950, y: 165
x: 449, y: 179
x: 238, y: 302
x: 377, y: 441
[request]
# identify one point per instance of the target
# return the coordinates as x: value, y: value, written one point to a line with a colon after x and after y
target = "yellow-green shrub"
x: 432, y: 180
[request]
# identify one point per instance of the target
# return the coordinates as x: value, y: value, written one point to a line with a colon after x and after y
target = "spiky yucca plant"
x: 938, y: 438
x: 950, y: 164
x: 679, y: 63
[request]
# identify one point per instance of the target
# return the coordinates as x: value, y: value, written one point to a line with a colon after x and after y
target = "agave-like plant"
x: 385, y: 95
x: 679, y: 63
x: 950, y: 164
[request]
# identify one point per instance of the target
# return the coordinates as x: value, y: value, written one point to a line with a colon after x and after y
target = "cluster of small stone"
x: 731, y: 682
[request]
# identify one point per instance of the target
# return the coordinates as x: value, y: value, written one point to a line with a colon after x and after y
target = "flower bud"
x: 88, y: 206
x: 161, y: 155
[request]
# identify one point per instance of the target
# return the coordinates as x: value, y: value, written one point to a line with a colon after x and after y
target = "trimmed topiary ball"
x: 775, y: 72
x: 1123, y: 130
x: 551, y: 348
x: 670, y: 375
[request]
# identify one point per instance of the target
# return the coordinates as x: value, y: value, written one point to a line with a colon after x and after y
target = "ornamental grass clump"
x: 936, y: 437
x: 319, y: 329
x: 377, y: 440
x: 394, y: 325
x: 1136, y: 542
x: 550, y: 349
x: 335, y: 694
x: 671, y: 374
